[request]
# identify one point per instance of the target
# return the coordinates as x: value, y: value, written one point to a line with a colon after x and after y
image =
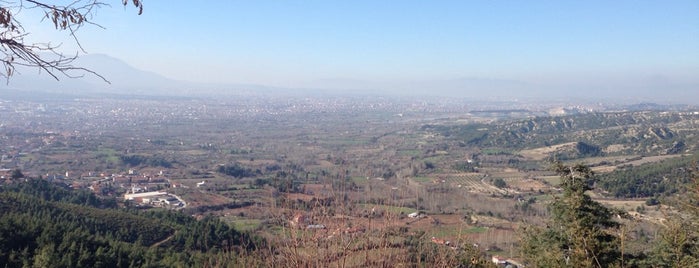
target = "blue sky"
x: 298, y: 43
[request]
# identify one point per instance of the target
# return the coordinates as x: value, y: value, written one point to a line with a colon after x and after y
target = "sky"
x: 554, y: 44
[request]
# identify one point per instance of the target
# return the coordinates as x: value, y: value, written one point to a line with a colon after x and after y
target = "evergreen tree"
x: 678, y: 243
x: 581, y: 230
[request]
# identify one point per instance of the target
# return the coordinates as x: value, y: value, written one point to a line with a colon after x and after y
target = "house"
x: 499, y: 260
x: 414, y: 215
x: 133, y: 196
x: 169, y: 200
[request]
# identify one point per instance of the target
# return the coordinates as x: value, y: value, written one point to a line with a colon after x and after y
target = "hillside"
x: 43, y: 224
x: 616, y: 133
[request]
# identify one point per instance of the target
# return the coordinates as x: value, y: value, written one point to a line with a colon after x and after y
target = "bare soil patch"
x: 542, y: 152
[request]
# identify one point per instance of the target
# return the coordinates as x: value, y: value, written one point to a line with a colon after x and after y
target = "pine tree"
x: 678, y: 243
x: 580, y: 232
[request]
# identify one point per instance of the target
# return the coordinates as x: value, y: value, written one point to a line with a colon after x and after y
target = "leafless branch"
x: 45, y: 56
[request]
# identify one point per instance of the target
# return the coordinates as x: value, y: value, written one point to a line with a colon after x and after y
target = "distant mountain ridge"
x: 123, y: 79
x: 126, y: 80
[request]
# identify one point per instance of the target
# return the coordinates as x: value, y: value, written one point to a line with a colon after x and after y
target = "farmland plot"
x: 472, y: 182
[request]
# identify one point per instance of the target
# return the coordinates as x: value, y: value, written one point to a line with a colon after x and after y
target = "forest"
x: 47, y: 225
x: 664, y: 178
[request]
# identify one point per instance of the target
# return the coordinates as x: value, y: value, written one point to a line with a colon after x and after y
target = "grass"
x: 390, y: 209
x: 109, y: 155
x: 27, y: 158
x: 422, y: 179
x: 245, y: 224
x: 543, y: 197
x: 239, y: 186
x: 552, y: 180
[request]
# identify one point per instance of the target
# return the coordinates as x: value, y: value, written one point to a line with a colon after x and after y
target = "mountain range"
x: 127, y: 80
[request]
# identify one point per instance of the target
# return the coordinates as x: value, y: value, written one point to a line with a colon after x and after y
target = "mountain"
x: 123, y: 79
x: 127, y: 80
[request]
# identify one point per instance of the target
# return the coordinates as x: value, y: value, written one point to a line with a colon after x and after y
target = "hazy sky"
x: 292, y: 43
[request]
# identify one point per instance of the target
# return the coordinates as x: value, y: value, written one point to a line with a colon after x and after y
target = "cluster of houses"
x: 156, y: 199
x: 142, y: 189
x: 111, y: 184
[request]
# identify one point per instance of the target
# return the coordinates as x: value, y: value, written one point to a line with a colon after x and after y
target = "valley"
x: 354, y: 181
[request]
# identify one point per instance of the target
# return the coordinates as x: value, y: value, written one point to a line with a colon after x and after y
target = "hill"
x: 40, y: 219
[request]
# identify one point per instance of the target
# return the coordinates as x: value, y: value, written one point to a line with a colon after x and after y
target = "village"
x: 141, y: 190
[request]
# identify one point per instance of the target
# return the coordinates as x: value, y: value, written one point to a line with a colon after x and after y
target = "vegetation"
x: 237, y: 171
x: 352, y: 191
x: 44, y: 225
x: 138, y: 160
x: 349, y: 182
x: 500, y: 183
x: 653, y: 179
x: 678, y: 243
x: 44, y: 55
x: 649, y: 131
x: 581, y: 231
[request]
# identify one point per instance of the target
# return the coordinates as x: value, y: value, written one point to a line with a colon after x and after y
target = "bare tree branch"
x: 45, y: 56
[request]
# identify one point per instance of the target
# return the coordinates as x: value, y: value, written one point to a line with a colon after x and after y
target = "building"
x: 498, y: 260
x: 141, y: 196
x: 169, y: 200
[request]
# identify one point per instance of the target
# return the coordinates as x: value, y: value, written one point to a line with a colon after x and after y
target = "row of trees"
x: 238, y: 171
x: 137, y: 160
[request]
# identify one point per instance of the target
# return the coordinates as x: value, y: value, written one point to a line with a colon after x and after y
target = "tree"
x: 17, y: 51
x: 580, y: 233
x: 500, y: 183
x: 16, y: 174
x: 677, y: 245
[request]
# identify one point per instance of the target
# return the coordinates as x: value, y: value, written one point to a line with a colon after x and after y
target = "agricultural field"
x: 348, y: 181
